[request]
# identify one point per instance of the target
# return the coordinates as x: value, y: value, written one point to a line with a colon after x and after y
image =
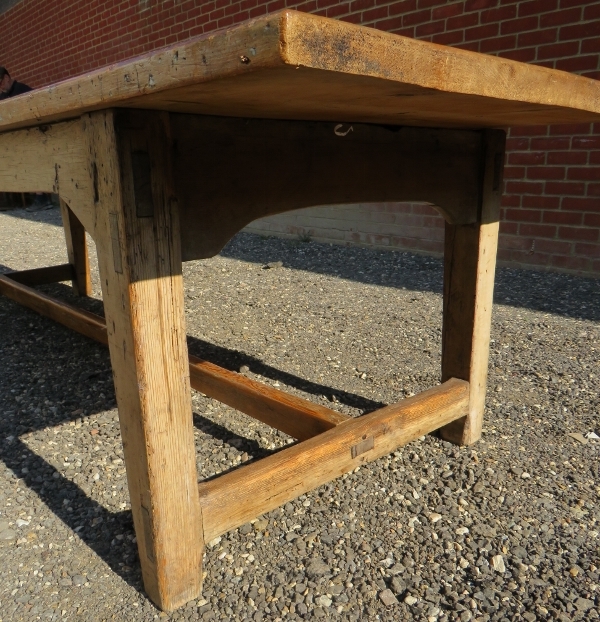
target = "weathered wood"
x: 140, y: 269
x: 76, y: 250
x: 295, y: 65
x: 232, y: 499
x: 276, y: 166
x: 43, y: 276
x: 469, y: 266
x: 295, y: 416
x: 82, y: 321
x: 50, y: 159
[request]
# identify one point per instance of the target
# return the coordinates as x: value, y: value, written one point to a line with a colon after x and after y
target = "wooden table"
x: 165, y: 157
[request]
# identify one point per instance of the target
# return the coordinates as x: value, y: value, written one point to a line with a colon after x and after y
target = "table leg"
x: 76, y: 250
x: 469, y: 266
x: 138, y: 241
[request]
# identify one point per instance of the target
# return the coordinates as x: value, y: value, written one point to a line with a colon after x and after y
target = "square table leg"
x: 138, y: 241
x: 76, y: 250
x: 469, y: 267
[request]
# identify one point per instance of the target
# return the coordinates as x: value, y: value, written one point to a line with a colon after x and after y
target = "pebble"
x: 462, y: 531
x: 498, y: 563
x: 410, y: 600
x: 316, y: 568
x: 387, y: 598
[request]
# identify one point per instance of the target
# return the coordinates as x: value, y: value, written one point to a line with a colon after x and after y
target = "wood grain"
x: 302, y: 66
x: 50, y: 159
x: 140, y: 270
x: 233, y: 499
x: 469, y: 268
x: 275, y: 166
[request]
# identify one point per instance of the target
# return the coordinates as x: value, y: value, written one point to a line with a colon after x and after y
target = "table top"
x: 291, y: 65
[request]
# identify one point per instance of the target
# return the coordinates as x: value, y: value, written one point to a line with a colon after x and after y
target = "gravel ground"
x: 504, y: 530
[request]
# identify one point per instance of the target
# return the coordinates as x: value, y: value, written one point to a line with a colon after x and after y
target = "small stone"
x: 316, y: 568
x: 530, y: 617
x: 3, y: 525
x: 498, y: 563
x: 574, y: 571
x: 434, y: 518
x: 214, y: 542
x: 387, y: 598
x: 462, y: 531
x: 583, y: 604
x: 580, y: 438
x: 244, y: 369
x: 525, y: 475
x: 398, y: 585
x: 78, y: 580
x: 410, y: 600
x: 323, y: 600
x: 273, y: 265
x: 261, y: 525
x: 22, y: 523
x: 8, y: 534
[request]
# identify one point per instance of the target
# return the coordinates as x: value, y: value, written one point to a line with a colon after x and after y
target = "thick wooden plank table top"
x: 163, y: 158
x: 292, y: 65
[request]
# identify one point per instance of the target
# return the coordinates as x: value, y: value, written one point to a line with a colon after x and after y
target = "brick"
x: 541, y: 202
x: 560, y: 18
x: 374, y: 14
x: 535, y: 7
x: 594, y: 190
x: 591, y: 173
x: 529, y: 130
x: 523, y: 56
x: 588, y: 250
x: 447, y: 10
x: 401, y: 8
x: 499, y: 14
x: 524, y: 215
x: 563, y: 218
x: 514, y: 242
x: 542, y: 231
x: 462, y: 21
x: 558, y: 50
x: 478, y: 5
x: 528, y: 157
x: 570, y: 129
x: 554, y: 247
x: 546, y: 172
x: 427, y: 4
x: 586, y: 142
x: 539, y: 144
x: 590, y: 46
x: 430, y: 29
x: 498, y: 43
x: 584, y: 30
x: 481, y: 32
x: 524, y: 187
x: 537, y: 37
x: 518, y: 144
x: 511, y: 200
x: 591, y: 220
x: 592, y: 11
x: 580, y: 204
x: 577, y: 64
x: 419, y: 17
x: 392, y: 24
x: 449, y: 38
x: 578, y: 233
x: 575, y: 264
x: 507, y: 228
x: 514, y: 172
x: 595, y: 157
x: 565, y: 188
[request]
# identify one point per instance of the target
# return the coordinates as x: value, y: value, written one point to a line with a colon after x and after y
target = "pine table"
x: 163, y: 158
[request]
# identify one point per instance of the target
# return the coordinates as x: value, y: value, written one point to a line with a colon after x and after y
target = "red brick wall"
x: 551, y: 206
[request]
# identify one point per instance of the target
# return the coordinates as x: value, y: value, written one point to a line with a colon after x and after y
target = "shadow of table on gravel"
x: 551, y: 292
